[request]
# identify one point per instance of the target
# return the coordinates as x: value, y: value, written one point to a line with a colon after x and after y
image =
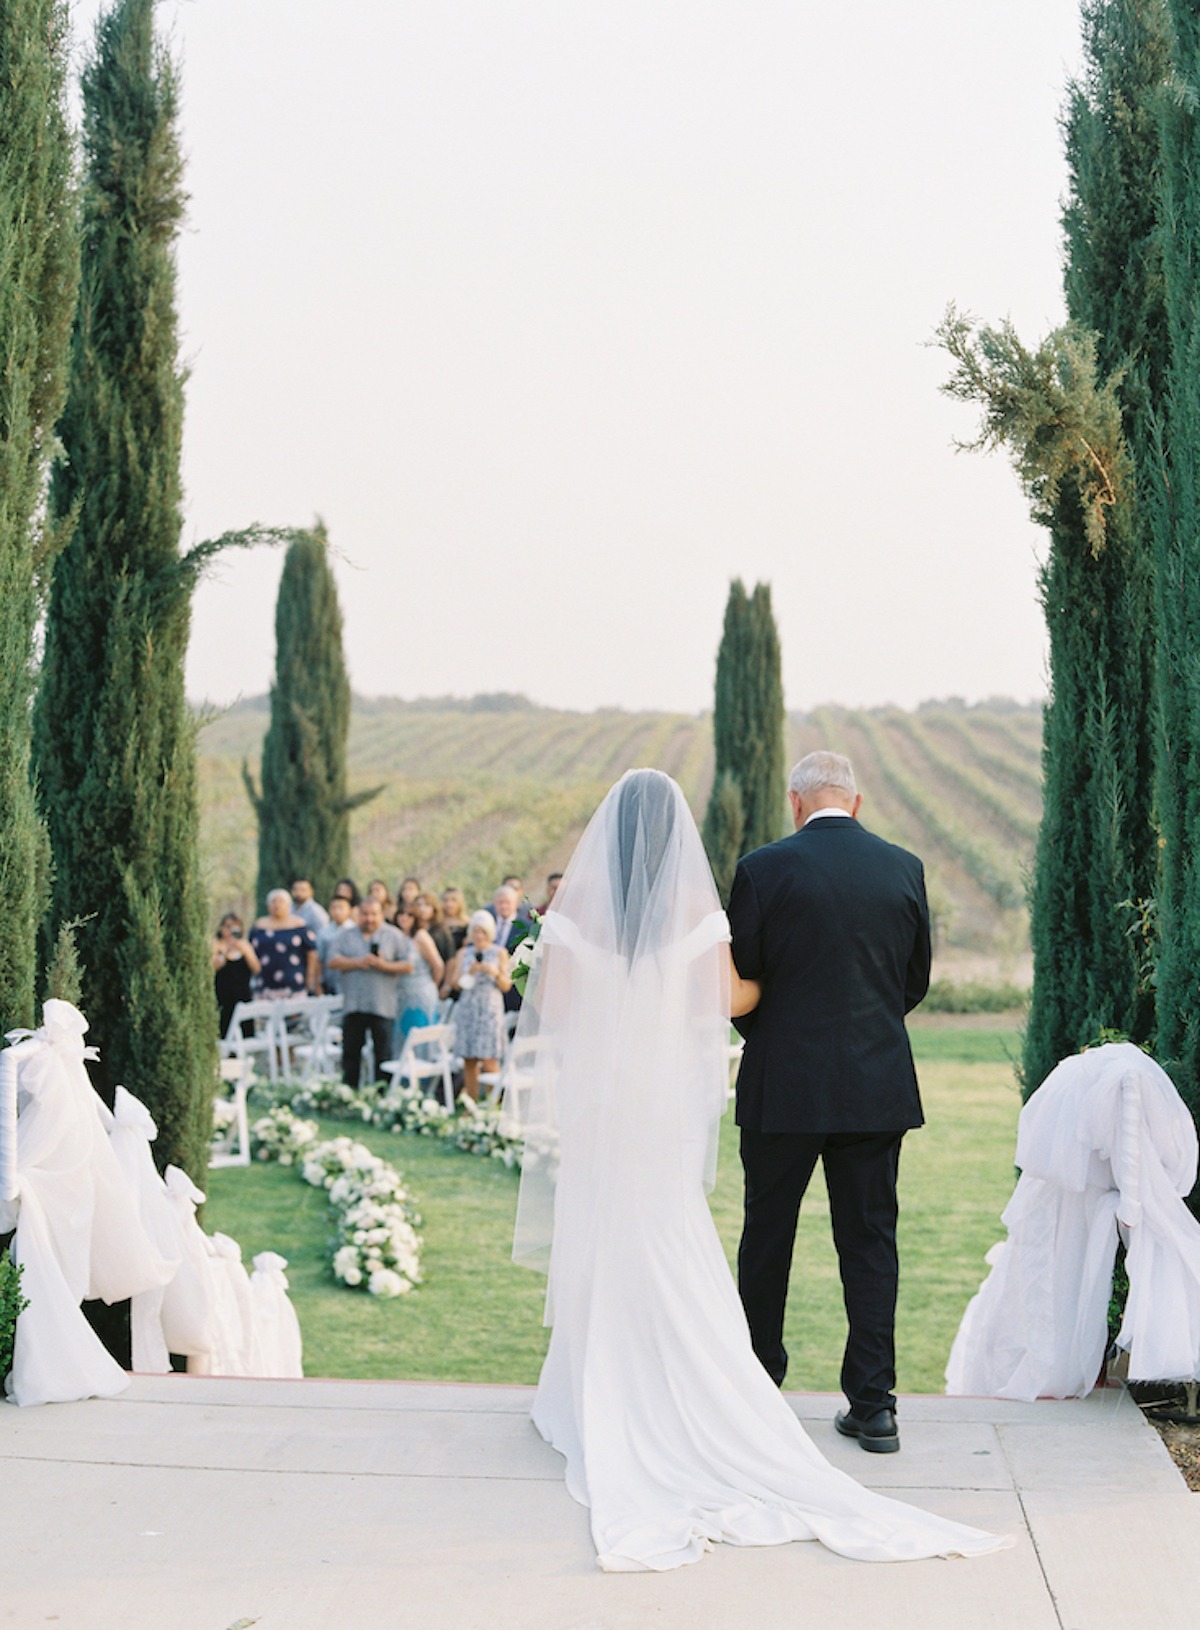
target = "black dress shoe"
x: 876, y: 1433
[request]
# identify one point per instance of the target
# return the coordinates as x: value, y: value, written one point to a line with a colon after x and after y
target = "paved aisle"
x: 200, y: 1504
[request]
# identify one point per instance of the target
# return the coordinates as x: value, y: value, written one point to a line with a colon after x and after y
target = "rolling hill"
x: 475, y: 790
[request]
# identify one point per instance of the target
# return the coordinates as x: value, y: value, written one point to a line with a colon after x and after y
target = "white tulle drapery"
x: 674, y: 1435
x: 93, y: 1219
x: 78, y: 1234
x: 1105, y: 1143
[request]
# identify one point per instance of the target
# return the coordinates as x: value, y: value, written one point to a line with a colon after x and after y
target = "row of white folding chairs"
x: 311, y: 1043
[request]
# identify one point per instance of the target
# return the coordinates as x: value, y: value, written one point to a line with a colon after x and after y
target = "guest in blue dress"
x: 418, y: 991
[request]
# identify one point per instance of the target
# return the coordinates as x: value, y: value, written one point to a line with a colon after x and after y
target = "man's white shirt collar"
x: 821, y: 814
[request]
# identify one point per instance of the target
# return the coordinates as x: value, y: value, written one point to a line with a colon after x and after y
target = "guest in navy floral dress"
x: 287, y: 949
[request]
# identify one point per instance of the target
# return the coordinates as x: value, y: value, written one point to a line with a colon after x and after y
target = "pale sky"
x: 562, y: 313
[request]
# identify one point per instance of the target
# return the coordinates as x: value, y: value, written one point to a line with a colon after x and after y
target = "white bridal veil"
x: 624, y: 1028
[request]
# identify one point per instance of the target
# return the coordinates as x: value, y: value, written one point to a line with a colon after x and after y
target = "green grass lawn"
x: 479, y: 1318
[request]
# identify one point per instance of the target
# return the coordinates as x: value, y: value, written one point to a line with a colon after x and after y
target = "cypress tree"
x: 745, y: 809
x: 1097, y: 846
x: 1078, y: 417
x: 1177, y: 558
x: 724, y: 825
x: 761, y: 769
x: 114, y: 739
x: 303, y: 808
x: 39, y: 269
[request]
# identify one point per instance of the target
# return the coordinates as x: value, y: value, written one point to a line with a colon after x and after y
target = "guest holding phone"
x: 369, y: 959
x: 235, y: 963
x: 480, y: 973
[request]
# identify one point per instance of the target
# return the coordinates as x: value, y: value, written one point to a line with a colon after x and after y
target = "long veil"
x: 624, y: 1031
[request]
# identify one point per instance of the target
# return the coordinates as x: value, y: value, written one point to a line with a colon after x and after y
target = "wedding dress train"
x: 673, y: 1433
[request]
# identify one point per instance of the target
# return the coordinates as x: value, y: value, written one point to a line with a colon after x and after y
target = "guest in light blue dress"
x: 418, y: 991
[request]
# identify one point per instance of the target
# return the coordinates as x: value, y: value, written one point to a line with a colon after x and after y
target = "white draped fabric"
x: 78, y: 1233
x: 1105, y: 1141
x: 673, y: 1433
x: 275, y: 1320
x: 94, y: 1219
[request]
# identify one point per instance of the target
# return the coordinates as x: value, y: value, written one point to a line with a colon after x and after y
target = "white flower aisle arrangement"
x: 375, y: 1244
x: 281, y: 1135
x: 473, y: 1128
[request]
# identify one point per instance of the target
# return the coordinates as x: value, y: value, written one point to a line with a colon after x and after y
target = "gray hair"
x: 482, y: 919
x: 277, y: 894
x: 820, y: 770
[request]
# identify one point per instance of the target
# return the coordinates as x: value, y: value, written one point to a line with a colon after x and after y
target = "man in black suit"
x: 835, y: 924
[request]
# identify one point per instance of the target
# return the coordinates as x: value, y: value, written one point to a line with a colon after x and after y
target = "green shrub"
x: 12, y: 1304
x: 973, y: 997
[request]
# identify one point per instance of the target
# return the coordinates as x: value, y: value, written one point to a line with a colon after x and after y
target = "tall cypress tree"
x: 114, y: 739
x: 39, y: 271
x: 303, y: 808
x: 1177, y: 558
x: 745, y: 809
x: 1097, y: 845
x: 1077, y: 415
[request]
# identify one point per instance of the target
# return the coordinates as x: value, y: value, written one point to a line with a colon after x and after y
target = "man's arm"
x: 916, y: 978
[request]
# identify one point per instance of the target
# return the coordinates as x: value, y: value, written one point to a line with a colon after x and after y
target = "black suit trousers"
x: 860, y: 1174
x: 355, y: 1027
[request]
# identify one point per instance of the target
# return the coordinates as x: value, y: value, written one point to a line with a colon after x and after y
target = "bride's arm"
x: 744, y: 994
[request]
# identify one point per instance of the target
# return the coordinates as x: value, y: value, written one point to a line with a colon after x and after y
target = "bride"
x: 674, y: 1435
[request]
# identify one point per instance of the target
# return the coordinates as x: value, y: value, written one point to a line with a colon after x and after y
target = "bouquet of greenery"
x: 521, y: 962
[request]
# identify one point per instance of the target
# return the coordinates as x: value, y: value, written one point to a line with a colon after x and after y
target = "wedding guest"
x: 348, y: 889
x: 480, y: 973
x: 510, y: 931
x: 235, y: 962
x: 513, y: 882
x: 428, y: 909
x: 304, y: 905
x: 552, y: 882
x: 368, y: 958
x: 339, y: 915
x: 377, y: 889
x: 287, y: 949
x: 503, y: 910
x: 455, y: 916
x: 417, y: 1004
x: 407, y: 891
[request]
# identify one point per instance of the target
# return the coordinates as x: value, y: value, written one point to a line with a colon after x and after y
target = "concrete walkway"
x: 203, y: 1504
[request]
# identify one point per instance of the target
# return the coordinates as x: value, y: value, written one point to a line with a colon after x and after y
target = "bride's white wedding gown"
x: 673, y: 1433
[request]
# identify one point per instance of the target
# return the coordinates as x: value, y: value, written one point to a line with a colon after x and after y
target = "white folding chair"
x: 261, y: 1043
x: 234, y: 1147
x: 319, y: 1054
x: 425, y: 1056
x: 515, y: 1075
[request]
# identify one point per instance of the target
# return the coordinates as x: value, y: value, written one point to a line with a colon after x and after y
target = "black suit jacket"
x: 834, y: 922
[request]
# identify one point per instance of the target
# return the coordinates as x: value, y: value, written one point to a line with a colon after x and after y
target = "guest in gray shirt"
x: 368, y: 958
